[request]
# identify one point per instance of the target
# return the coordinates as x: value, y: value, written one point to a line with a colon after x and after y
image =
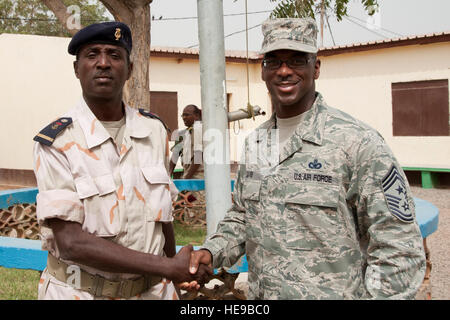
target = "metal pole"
x: 214, y: 111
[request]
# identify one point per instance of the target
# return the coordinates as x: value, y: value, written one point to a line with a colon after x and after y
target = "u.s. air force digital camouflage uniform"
x: 120, y: 194
x: 331, y: 218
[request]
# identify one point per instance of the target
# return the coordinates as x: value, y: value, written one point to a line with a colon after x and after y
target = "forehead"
x: 282, y: 54
x: 188, y: 109
x: 100, y: 47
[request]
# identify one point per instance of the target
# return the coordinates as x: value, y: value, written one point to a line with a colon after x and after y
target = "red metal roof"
x: 254, y: 57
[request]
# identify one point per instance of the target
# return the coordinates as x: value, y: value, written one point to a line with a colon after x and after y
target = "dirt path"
x: 439, y: 241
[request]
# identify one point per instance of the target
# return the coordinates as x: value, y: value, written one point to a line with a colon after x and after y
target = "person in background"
x: 189, y: 144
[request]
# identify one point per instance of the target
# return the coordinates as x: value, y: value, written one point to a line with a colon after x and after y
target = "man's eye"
x: 271, y: 62
x: 299, y: 61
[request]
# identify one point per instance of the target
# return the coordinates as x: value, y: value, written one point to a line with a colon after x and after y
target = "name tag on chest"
x: 313, y: 177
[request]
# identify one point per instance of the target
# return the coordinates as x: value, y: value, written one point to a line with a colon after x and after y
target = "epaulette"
x: 49, y: 133
x: 154, y: 116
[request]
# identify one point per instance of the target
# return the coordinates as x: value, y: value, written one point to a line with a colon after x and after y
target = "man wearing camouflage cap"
x: 105, y: 198
x: 331, y: 216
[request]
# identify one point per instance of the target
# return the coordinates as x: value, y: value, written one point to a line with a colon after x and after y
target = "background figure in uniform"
x: 189, y: 147
x: 105, y: 197
x: 326, y: 212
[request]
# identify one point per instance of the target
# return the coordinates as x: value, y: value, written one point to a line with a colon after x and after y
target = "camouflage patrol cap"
x: 299, y: 34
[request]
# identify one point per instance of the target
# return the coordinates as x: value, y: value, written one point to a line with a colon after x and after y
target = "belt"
x: 98, y: 285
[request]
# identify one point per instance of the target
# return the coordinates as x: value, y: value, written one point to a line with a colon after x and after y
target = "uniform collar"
x: 96, y: 134
x: 310, y: 129
x: 136, y: 124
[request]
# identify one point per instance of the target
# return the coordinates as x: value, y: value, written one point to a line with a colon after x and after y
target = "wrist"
x: 210, y: 254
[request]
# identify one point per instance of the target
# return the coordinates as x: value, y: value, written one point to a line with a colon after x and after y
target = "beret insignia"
x: 48, y: 134
x: 117, y: 34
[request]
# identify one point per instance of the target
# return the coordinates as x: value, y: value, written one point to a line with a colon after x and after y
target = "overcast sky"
x: 178, y: 26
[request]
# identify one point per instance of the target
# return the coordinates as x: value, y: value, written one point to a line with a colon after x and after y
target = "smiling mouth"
x: 286, y: 86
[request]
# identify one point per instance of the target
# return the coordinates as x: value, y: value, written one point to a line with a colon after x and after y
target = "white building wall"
x: 37, y: 85
x: 360, y: 84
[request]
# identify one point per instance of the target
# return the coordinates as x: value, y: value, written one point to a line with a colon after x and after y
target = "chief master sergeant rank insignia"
x: 394, y: 189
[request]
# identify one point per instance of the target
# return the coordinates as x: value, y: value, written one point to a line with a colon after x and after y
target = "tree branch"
x: 60, y: 11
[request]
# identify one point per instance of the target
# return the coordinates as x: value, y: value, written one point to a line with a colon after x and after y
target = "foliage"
x: 18, y: 284
x: 34, y: 17
x: 309, y: 8
x: 185, y: 235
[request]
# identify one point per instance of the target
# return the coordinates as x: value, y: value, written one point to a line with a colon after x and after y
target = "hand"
x: 198, y: 257
x: 179, y: 269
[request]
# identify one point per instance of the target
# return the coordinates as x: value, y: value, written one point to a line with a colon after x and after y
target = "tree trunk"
x: 136, y: 14
x: 138, y: 86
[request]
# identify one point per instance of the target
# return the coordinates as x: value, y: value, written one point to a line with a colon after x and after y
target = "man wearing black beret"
x: 105, y: 198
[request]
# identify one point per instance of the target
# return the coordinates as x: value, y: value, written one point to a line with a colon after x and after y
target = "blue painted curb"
x: 27, y: 254
x: 427, y: 215
x: 9, y: 198
x: 22, y: 254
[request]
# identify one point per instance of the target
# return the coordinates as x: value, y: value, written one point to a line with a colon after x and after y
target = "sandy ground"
x: 438, y: 242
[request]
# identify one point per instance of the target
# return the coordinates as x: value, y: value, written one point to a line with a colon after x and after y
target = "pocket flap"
x: 156, y: 175
x: 85, y: 187
x: 105, y: 184
x: 250, y: 189
x: 322, y: 196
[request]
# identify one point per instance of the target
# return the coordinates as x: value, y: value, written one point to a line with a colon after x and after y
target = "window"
x: 165, y: 105
x: 420, y: 108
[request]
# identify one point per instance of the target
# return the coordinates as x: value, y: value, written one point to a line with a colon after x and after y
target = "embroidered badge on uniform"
x: 394, y: 188
x: 315, y: 165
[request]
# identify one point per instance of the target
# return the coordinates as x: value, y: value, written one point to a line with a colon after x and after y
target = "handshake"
x: 191, y: 269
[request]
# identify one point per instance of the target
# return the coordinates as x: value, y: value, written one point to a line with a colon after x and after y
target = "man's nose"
x: 284, y: 70
x: 103, y: 61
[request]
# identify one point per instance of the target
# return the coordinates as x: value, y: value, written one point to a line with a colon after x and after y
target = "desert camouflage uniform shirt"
x: 331, y: 216
x: 122, y: 195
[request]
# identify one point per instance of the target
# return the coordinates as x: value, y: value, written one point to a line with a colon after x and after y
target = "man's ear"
x: 262, y: 72
x: 130, y: 70
x: 317, y: 69
x: 75, y: 68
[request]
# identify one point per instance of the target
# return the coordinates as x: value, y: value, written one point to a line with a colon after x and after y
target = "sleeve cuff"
x: 61, y: 204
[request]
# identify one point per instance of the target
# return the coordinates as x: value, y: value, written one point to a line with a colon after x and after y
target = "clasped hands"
x: 192, y: 268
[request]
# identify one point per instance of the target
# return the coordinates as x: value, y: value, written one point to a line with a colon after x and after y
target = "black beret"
x: 116, y: 33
